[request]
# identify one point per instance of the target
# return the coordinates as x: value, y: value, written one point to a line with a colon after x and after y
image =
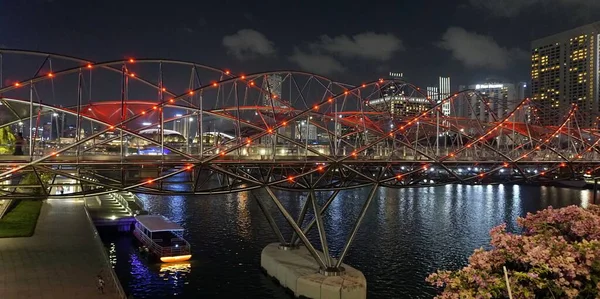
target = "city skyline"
x: 254, y: 37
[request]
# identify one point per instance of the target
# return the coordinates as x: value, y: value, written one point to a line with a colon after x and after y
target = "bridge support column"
x: 303, y: 268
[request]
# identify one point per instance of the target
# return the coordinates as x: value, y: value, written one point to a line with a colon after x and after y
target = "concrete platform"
x: 61, y: 259
x: 299, y: 272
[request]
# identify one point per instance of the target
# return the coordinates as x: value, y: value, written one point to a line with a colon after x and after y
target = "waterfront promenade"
x: 61, y: 260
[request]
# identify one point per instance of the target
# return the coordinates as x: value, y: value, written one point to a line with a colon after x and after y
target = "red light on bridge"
x: 290, y: 178
x: 274, y: 96
x: 252, y: 83
x: 579, y: 157
x: 481, y: 175
x: 227, y: 72
x: 249, y: 141
x: 154, y: 107
x: 189, y: 167
x: 132, y: 75
x: 89, y: 66
x: 215, y: 84
x: 363, y: 86
x: 542, y: 173
x: 143, y: 112
x: 53, y: 154
x: 163, y: 89
x: 320, y: 168
x: 330, y: 100
x: 243, y: 77
x: 222, y: 154
x: 284, y: 123
x: 346, y: 92
x: 149, y: 181
x: 171, y: 101
x: 131, y: 60
x: 50, y: 75
x: 451, y: 154
x: 399, y: 177
x: 191, y: 92
x: 563, y: 164
x: 111, y: 128
x: 17, y: 84
x: 354, y: 154
x: 505, y: 165
x: 316, y: 107
x: 89, y: 109
x: 424, y: 167
x: 270, y: 131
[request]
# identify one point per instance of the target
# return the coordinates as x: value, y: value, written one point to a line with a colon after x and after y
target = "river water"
x: 406, y: 234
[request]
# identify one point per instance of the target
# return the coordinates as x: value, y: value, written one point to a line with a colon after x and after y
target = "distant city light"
x: 55, y: 114
x: 178, y: 115
x: 146, y: 124
x: 482, y: 86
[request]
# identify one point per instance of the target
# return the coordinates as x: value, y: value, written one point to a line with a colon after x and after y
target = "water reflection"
x: 406, y: 234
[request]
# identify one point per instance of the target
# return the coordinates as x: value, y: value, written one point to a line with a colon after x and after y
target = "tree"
x: 556, y: 256
x: 7, y: 141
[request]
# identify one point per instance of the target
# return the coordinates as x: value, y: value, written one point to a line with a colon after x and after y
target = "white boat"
x: 163, y: 238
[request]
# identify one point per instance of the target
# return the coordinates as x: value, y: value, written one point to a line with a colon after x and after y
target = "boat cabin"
x: 162, y: 237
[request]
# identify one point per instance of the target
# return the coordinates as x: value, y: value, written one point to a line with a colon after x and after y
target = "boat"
x: 162, y: 238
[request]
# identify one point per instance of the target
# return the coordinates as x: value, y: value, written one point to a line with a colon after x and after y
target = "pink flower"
x: 557, y: 255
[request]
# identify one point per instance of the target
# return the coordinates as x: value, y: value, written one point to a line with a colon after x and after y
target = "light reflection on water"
x: 406, y: 234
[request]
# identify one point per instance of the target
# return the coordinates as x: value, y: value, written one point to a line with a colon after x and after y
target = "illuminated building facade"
x: 564, y: 71
x: 440, y: 93
x: 400, y: 106
x: 502, y: 98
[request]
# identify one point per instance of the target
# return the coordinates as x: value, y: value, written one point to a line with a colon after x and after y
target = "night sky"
x: 349, y: 41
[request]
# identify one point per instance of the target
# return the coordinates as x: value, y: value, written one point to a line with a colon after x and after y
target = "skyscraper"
x: 564, y: 71
x: 502, y: 98
x: 444, y: 89
x: 272, y: 97
x: 440, y: 93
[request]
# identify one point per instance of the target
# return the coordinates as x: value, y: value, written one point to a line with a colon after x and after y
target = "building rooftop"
x: 561, y: 36
x: 157, y: 223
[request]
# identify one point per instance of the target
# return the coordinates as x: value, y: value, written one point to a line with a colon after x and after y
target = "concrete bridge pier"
x: 306, y: 271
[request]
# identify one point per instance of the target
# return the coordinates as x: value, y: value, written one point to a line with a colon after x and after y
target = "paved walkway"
x: 61, y: 260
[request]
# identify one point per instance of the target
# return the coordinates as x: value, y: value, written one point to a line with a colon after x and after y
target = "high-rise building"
x: 564, y: 71
x: 440, y: 93
x: 444, y: 89
x: 502, y: 98
x: 272, y: 92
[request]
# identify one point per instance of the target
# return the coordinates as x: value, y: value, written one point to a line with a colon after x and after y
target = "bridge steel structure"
x: 289, y: 130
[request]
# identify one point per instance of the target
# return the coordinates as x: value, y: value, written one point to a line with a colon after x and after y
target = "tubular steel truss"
x: 164, y: 126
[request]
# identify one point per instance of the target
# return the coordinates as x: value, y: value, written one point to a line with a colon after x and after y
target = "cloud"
x: 475, y: 50
x: 511, y: 8
x: 316, y: 62
x: 248, y: 43
x: 368, y: 45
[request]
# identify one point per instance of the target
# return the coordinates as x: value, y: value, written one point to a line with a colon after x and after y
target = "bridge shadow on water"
x: 406, y: 234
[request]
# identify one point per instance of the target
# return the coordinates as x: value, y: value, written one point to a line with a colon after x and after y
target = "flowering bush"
x: 556, y: 256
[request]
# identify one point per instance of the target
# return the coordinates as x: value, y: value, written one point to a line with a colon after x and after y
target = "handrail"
x: 116, y: 282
